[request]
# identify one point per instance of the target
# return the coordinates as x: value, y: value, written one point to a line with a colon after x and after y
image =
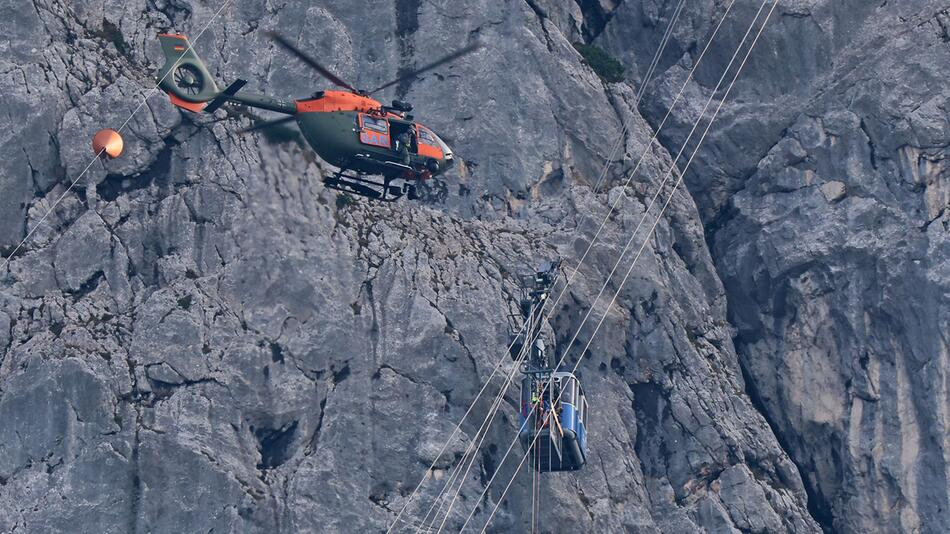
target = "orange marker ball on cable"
x: 107, y: 143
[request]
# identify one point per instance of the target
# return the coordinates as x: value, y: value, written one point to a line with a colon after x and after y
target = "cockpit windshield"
x: 445, y: 148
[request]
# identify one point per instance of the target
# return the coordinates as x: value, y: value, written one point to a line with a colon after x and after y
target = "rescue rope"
x: 652, y: 229
x: 536, y: 496
x: 534, y: 485
x: 72, y: 184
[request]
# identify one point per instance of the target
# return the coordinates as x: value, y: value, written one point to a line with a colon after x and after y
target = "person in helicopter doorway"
x: 403, y: 142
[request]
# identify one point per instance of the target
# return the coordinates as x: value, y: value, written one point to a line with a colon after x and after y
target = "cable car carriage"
x: 561, y: 443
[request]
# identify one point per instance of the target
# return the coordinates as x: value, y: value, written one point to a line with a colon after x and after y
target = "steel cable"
x: 72, y: 184
x: 643, y: 246
x: 576, y: 269
x: 590, y: 246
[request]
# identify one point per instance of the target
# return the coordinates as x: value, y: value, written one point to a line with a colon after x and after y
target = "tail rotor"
x: 184, y: 76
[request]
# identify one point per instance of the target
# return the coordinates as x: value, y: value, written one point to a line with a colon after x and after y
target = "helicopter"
x: 347, y: 128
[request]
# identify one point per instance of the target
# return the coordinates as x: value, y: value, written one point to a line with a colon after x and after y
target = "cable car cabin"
x: 561, y: 443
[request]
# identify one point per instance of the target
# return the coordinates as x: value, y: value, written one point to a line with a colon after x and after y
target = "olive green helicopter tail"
x: 189, y: 85
x: 184, y: 76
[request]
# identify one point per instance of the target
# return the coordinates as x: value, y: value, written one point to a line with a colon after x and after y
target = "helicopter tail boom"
x: 189, y: 85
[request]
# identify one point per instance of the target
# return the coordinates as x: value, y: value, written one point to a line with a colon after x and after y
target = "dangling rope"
x: 652, y: 229
x: 534, y: 488
x: 537, y: 474
x: 536, y: 495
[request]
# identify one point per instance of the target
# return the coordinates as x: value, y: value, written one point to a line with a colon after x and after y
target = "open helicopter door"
x: 399, y: 126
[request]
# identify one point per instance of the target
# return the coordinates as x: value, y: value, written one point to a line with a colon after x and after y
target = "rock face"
x: 201, y: 337
x: 824, y: 196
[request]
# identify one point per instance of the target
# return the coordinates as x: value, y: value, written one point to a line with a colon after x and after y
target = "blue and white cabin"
x: 561, y: 443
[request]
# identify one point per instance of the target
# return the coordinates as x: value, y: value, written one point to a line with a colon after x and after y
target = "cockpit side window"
x: 375, y: 124
x: 426, y: 136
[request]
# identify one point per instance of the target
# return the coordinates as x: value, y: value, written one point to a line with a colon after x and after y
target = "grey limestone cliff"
x: 202, y: 338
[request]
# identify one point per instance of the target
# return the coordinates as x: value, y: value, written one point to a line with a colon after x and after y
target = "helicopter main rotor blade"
x: 287, y: 45
x: 435, y: 64
x: 267, y: 124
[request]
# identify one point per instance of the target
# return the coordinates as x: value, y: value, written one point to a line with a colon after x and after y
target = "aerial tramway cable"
x: 641, y: 91
x: 470, y: 452
x: 590, y: 246
x: 666, y: 204
x: 532, y: 325
x: 643, y: 246
x: 645, y: 152
x: 99, y: 153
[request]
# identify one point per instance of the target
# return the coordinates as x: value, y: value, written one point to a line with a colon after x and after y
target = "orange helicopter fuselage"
x: 356, y: 132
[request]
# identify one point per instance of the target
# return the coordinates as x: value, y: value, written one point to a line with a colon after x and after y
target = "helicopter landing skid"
x: 366, y: 188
